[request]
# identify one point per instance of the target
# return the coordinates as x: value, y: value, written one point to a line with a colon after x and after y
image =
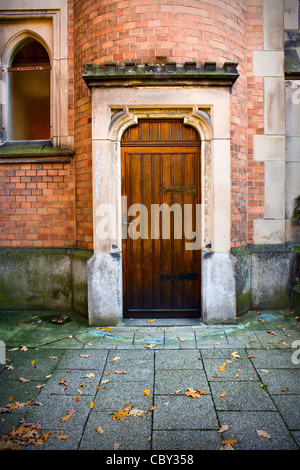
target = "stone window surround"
x: 53, y: 36
x: 208, y: 110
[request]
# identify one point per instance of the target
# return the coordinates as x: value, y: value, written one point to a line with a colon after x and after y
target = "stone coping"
x: 33, y: 152
x: 168, y: 74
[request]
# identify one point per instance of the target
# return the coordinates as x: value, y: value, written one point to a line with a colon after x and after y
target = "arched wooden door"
x: 160, y: 166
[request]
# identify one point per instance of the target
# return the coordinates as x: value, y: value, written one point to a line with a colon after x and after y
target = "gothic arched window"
x: 29, y: 92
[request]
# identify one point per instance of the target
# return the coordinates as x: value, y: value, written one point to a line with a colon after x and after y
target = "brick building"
x: 110, y: 103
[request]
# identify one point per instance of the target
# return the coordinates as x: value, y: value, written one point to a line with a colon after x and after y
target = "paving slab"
x: 131, y: 434
x: 186, y: 440
x: 182, y: 412
x: 182, y: 359
x: 246, y: 396
x: 243, y: 427
x: 169, y: 381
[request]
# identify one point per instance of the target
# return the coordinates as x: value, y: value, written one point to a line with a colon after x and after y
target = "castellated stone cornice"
x: 168, y: 74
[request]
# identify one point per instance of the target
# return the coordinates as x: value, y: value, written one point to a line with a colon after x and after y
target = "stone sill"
x: 34, y: 152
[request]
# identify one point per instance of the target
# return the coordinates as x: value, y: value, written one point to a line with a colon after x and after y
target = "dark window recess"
x: 29, y: 92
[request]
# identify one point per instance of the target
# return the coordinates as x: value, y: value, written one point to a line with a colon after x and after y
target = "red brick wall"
x: 41, y: 211
x: 145, y: 30
x: 37, y: 205
x: 255, y: 107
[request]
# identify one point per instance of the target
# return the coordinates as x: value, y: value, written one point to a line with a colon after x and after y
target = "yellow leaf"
x: 229, y: 441
x: 263, y: 434
x: 222, y: 367
x: 223, y: 394
x: 223, y: 428
x: 92, y: 403
x: 32, y: 362
x: 99, y: 429
x: 146, y: 392
x: 116, y: 358
x: 150, y: 346
x: 76, y: 399
x: 62, y: 436
x: 121, y: 415
x: 120, y: 372
x: 150, y: 321
x: 192, y: 393
x: 202, y: 392
x: 180, y: 339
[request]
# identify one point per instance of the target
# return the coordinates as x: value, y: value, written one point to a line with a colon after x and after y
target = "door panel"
x: 160, y: 277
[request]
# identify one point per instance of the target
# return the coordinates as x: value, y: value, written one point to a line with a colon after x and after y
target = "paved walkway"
x: 148, y: 385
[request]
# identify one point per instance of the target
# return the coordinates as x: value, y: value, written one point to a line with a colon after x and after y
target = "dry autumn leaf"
x: 116, y: 446
x: 192, y: 393
x: 263, y: 434
x: 223, y: 428
x: 69, y: 414
x: 146, y: 392
x: 150, y: 346
x: 222, y: 368
x: 21, y: 379
x: 62, y: 436
x: 120, y: 372
x: 116, y: 358
x: 223, y: 394
x: 99, y: 429
x: 92, y: 404
x: 150, y: 321
x: 180, y: 339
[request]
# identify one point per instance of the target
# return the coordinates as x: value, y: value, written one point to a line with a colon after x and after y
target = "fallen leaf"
x: 85, y: 355
x: 263, y: 434
x: 248, y: 355
x: 223, y: 394
x: 100, y: 388
x: 63, y: 382
x: 146, y: 392
x: 222, y: 367
x: 116, y: 446
x: 117, y: 358
x: 202, y: 392
x: 92, y: 404
x: 77, y: 399
x: 180, y: 339
x: 150, y: 321
x: 137, y: 412
x: 223, y: 428
x: 62, y: 436
x: 120, y: 372
x: 150, y: 346
x: 23, y: 348
x: 265, y: 371
x: 99, y: 429
x: 88, y: 376
x: 120, y: 415
x: 192, y: 393
x: 178, y: 391
x: 21, y: 379
x: 229, y: 441
x: 285, y: 389
x: 32, y: 362
x: 271, y: 332
x: 152, y: 408
x: 53, y: 357
x: 105, y: 381
x: 69, y: 414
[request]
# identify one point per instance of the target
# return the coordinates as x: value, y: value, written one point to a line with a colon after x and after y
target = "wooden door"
x: 160, y: 165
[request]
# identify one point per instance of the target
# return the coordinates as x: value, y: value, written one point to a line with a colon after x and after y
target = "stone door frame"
x: 207, y: 109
